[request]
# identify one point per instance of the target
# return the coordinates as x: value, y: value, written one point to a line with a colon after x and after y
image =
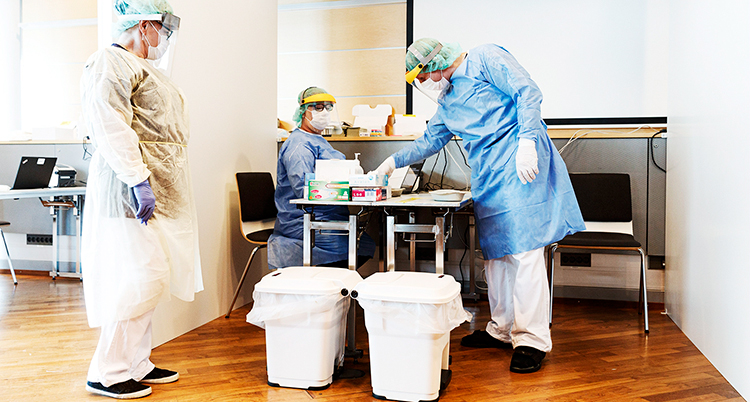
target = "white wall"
x: 10, y: 65
x: 708, y: 186
x: 591, y: 58
x: 226, y: 65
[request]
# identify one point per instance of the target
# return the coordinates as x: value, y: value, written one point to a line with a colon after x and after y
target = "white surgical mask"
x: 320, y: 120
x: 439, y: 86
x: 156, y: 53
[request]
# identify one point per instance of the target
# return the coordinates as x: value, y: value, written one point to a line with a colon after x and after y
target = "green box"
x: 319, y: 190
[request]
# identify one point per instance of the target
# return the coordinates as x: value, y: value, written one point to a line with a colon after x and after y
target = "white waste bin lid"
x: 309, y: 281
x: 409, y: 287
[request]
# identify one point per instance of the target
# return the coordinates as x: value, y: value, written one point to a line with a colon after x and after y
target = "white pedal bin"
x: 303, y: 310
x: 409, y: 316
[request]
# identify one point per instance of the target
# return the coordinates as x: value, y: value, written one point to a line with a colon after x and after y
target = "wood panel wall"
x: 352, y: 49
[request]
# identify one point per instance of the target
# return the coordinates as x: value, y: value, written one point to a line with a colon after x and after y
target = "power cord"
x: 584, y: 133
x: 86, y: 153
x: 651, y: 149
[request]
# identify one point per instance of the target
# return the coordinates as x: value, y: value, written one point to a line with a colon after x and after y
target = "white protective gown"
x: 138, y: 123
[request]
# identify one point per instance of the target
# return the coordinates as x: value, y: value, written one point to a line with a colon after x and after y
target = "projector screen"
x: 591, y: 58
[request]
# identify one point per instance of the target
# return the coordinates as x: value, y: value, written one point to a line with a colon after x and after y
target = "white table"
x: 78, y: 194
x: 407, y: 201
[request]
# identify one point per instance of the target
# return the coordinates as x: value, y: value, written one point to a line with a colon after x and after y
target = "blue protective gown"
x: 296, y: 158
x: 492, y: 103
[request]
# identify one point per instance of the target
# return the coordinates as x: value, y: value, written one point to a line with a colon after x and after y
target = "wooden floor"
x: 600, y: 353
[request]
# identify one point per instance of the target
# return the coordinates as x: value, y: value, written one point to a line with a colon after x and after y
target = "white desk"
x: 408, y: 201
x: 78, y: 194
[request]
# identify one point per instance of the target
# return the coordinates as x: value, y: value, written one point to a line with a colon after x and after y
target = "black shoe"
x: 160, y: 376
x: 526, y: 359
x: 481, y: 339
x: 129, y: 389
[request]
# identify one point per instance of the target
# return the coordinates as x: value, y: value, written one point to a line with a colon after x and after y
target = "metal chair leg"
x: 644, y: 288
x: 552, y: 249
x: 7, y: 254
x: 242, y: 279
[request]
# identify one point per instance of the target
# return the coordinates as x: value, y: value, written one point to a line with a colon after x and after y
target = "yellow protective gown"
x: 138, y: 123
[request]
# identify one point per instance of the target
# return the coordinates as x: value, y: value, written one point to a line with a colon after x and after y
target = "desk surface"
x: 42, y: 192
x: 554, y: 133
x: 406, y: 200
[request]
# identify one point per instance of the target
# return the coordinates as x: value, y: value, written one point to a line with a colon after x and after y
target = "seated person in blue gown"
x: 296, y: 158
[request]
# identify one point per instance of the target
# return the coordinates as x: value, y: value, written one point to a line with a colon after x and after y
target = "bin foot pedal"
x: 275, y: 385
x: 345, y: 373
x: 382, y: 398
x: 445, y: 378
x: 356, y: 353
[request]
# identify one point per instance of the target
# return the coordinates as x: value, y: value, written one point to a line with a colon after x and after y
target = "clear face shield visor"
x: 169, y: 31
x: 325, y: 103
x: 411, y: 75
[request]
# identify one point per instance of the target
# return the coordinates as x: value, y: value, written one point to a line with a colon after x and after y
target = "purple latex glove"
x: 145, y: 201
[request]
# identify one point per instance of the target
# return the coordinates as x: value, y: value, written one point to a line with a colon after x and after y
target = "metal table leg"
x: 439, y: 244
x: 412, y: 245
x: 307, y: 239
x: 351, y: 343
x: 390, y: 236
x: 79, y: 228
x: 55, y: 245
x: 472, y: 259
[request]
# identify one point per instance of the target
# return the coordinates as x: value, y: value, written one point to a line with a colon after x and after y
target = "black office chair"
x: 7, y: 253
x: 605, y: 202
x: 257, y: 215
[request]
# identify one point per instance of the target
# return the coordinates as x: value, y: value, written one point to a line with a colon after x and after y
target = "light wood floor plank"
x: 600, y: 354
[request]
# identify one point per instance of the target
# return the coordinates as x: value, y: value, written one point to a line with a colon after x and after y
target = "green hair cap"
x: 126, y: 7
x: 447, y: 55
x: 301, y: 109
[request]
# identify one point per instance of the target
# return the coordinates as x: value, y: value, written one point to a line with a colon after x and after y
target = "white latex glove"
x: 526, y: 161
x: 387, y: 167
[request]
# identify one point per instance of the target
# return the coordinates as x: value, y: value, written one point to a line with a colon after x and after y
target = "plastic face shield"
x: 412, y: 74
x: 327, y: 102
x: 170, y: 26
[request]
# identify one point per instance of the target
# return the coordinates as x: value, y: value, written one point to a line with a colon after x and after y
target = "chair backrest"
x: 256, y: 191
x: 603, y: 197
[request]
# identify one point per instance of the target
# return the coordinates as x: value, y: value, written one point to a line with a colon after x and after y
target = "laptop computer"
x: 406, y: 178
x: 34, y: 172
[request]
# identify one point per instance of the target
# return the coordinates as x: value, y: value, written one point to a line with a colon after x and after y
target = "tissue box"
x: 337, y: 170
x: 368, y: 180
x: 368, y: 194
x: 321, y: 190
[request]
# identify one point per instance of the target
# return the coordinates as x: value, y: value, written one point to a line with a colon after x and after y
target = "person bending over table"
x: 523, y: 198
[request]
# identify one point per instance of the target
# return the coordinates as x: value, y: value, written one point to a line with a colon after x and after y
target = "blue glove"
x: 145, y: 201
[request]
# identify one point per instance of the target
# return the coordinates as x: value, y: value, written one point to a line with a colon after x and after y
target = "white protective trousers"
x: 123, y: 351
x: 518, y: 292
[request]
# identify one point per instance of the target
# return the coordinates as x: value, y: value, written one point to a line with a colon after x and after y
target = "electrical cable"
x: 651, y: 149
x: 445, y: 167
x: 86, y: 154
x: 428, y: 184
x: 461, y: 150
x: 576, y: 135
x: 466, y: 248
x: 466, y: 179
